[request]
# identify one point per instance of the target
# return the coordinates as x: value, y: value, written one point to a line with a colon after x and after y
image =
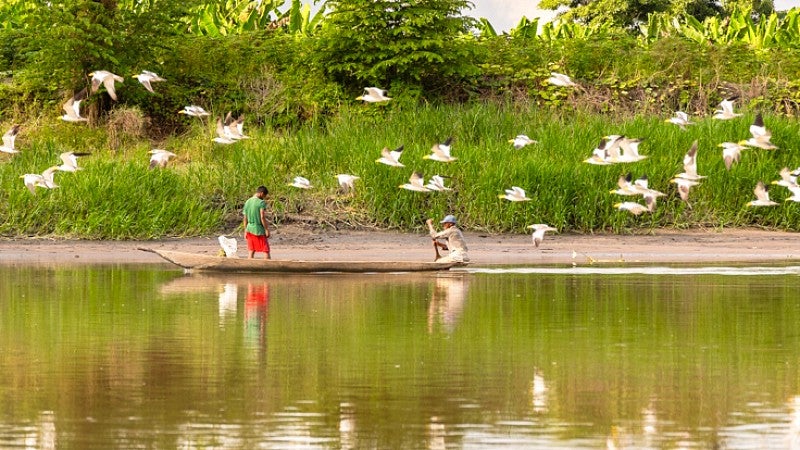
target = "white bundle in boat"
x: 229, y: 245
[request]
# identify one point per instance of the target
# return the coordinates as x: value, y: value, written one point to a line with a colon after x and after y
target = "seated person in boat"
x: 455, y: 241
x: 256, y: 231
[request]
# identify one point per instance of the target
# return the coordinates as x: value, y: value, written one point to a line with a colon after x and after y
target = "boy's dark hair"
x: 262, y: 190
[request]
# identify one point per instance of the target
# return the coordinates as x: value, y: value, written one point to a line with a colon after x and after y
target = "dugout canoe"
x: 197, y: 262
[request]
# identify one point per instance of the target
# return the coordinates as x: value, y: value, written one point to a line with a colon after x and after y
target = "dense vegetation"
x: 295, y: 76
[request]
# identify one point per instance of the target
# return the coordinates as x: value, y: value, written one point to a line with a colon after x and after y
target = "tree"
x: 381, y: 41
x: 62, y: 40
x: 629, y: 13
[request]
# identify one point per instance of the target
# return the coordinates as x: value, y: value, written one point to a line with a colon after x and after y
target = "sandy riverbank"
x: 300, y: 242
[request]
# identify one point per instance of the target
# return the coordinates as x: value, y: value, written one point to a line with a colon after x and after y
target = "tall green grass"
x: 202, y: 191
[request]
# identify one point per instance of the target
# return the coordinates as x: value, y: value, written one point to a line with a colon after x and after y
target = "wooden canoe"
x: 212, y: 263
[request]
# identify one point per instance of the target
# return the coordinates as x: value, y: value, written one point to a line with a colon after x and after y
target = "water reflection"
x: 347, y: 426
x: 539, y: 392
x: 256, y: 306
x: 228, y: 299
x: 447, y: 301
x: 456, y: 360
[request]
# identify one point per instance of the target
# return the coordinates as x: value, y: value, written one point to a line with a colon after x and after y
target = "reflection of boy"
x: 256, y: 231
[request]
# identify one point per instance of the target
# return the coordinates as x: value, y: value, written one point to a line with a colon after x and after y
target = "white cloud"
x: 506, y: 14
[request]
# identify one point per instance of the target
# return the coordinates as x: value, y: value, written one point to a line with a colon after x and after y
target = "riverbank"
x: 301, y: 242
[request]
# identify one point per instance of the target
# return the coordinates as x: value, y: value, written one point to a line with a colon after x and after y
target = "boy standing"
x: 256, y: 231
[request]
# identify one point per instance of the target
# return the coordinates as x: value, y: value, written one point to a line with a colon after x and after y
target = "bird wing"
x: 537, y: 237
x: 630, y: 147
x: 73, y: 106
x: 69, y: 159
x: 727, y: 106
x: 108, y: 82
x: 690, y: 160
x: 146, y: 83
x: 416, y: 179
x: 624, y: 181
x: 396, y: 153
x: 438, y: 150
x: 683, y: 191
x: 96, y: 80
x: 221, y: 129
x: 650, y: 201
x: 375, y: 92
x: 786, y: 176
x: 757, y: 129
x: 761, y: 192
x: 48, y: 175
x: 10, y: 137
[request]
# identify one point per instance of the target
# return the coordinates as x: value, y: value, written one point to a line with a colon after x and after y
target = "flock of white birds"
x: 613, y: 149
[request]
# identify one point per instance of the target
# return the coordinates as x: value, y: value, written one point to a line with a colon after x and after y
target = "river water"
x: 141, y: 356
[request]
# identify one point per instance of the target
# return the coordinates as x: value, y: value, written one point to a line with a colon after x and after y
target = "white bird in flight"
x: 680, y: 119
x: 147, y: 77
x: 761, y: 136
x: 441, y: 152
x: 637, y: 208
x: 346, y: 181
x: 160, y: 158
x: 391, y: 157
x: 194, y: 111
x: 795, y: 197
x: 538, y: 232
x: 436, y: 183
x: 70, y: 161
x: 684, y: 185
x: 690, y: 164
x: 72, y: 107
x: 415, y: 183
x: 107, y: 79
x: 762, y: 196
x: 223, y: 137
x: 8, y: 140
x: 515, y: 194
x: 522, y: 140
x: 234, y: 128
x: 787, y: 178
x: 731, y: 153
x: 726, y: 110
x: 600, y: 155
x: 301, y: 182
x: 630, y: 150
x: 374, y: 95
x: 45, y: 180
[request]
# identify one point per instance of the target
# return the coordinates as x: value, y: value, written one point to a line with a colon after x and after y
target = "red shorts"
x: 257, y: 242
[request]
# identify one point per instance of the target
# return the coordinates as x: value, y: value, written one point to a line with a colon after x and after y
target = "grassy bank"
x: 201, y: 192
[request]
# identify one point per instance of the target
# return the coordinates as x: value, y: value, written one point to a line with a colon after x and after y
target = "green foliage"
x: 629, y: 14
x: 229, y: 17
x: 741, y: 27
x: 381, y: 42
x: 201, y: 192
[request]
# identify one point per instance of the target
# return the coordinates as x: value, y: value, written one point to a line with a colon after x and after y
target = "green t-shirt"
x: 252, y: 210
